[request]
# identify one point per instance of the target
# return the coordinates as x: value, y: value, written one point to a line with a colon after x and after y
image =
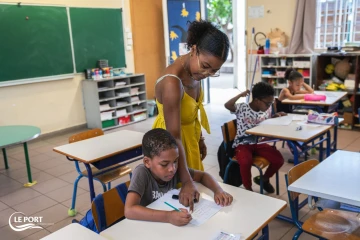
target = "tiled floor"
x: 51, y: 197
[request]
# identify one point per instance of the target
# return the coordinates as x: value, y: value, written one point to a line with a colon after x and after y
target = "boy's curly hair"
x: 156, y: 141
x: 262, y: 90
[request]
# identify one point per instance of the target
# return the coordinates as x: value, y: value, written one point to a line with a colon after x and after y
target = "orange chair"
x: 326, y: 224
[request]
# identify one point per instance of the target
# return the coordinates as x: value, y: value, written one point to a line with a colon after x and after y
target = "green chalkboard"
x: 97, y: 34
x: 34, y: 42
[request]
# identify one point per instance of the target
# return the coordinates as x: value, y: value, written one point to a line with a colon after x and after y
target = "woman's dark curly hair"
x: 208, y: 38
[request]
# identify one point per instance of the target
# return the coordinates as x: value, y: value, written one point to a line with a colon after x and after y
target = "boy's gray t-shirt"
x: 143, y: 183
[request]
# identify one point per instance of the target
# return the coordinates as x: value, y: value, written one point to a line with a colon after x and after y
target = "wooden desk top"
x: 331, y: 98
x: 335, y: 179
x: 98, y: 148
x: 289, y: 132
x: 247, y: 215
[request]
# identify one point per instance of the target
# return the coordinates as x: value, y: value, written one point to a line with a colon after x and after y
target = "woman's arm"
x: 171, y: 95
x: 308, y: 89
x: 230, y: 105
x: 220, y: 196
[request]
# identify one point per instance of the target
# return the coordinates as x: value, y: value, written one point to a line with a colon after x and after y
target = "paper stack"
x: 106, y: 115
x: 134, y: 90
x: 135, y: 99
x: 104, y: 107
x: 121, y: 112
x: 122, y: 94
x: 121, y: 103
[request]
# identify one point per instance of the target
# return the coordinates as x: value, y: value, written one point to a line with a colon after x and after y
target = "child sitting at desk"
x: 158, y: 175
x: 249, y: 115
x: 293, y: 92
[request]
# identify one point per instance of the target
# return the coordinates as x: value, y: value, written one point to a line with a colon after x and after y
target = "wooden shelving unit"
x: 114, y: 102
x: 272, y: 70
x: 323, y: 60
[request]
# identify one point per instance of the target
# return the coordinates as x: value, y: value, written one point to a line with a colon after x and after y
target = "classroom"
x: 179, y: 119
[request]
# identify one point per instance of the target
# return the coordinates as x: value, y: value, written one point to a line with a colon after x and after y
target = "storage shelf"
x: 270, y: 76
x: 130, y: 113
x: 270, y: 66
x: 122, y: 125
x: 112, y: 98
x: 96, y: 93
x: 120, y: 87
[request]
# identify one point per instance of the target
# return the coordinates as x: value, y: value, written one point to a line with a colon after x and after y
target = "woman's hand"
x: 188, y: 194
x: 202, y: 148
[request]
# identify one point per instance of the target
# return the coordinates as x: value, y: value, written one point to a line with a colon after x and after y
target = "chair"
x: 326, y: 224
x: 108, y: 208
x: 229, y: 133
x: 104, y: 176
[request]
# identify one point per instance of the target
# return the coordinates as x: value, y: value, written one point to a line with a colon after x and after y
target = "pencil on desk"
x: 176, y: 209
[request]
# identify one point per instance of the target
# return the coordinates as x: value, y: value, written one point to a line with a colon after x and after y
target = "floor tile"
x: 21, y: 155
x: 50, y: 185
x: 19, y: 173
x: 52, y: 215
x: 64, y: 193
x: 35, y: 205
x: 36, y: 236
x: 5, y: 215
x: 19, y: 196
x: 7, y: 233
x: 60, y: 169
x: 9, y: 186
x: 82, y: 203
x: 3, y: 205
x: 39, y: 177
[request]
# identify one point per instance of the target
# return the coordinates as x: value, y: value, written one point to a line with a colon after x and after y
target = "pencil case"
x: 314, y: 97
x: 322, y: 118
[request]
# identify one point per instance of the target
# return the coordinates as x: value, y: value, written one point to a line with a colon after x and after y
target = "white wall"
x: 54, y: 105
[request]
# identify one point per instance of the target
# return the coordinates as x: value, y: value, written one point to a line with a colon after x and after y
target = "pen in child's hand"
x: 176, y: 209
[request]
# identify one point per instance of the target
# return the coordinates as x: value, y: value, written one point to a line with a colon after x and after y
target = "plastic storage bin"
x: 108, y: 123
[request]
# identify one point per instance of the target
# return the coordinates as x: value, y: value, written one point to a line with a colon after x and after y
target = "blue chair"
x: 229, y: 133
x: 104, y: 176
x: 108, y: 208
x: 325, y: 224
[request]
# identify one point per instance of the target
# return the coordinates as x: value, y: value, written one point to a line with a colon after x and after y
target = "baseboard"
x: 62, y: 131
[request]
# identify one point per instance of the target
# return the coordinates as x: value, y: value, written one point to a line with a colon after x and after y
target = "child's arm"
x: 230, y: 105
x: 289, y: 96
x: 308, y: 89
x: 133, y: 210
x: 220, y: 196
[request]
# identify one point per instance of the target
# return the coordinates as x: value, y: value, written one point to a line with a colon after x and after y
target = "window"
x: 337, y: 22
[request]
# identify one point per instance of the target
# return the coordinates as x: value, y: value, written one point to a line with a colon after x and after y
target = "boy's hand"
x: 179, y: 218
x: 244, y: 94
x: 223, y: 198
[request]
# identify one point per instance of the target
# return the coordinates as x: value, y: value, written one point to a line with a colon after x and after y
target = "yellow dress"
x: 190, y: 126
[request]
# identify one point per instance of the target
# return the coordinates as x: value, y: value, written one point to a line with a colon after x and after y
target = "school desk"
x: 331, y: 98
x: 335, y: 179
x: 249, y: 214
x: 289, y: 133
x: 104, y: 151
x: 17, y: 134
x: 73, y: 231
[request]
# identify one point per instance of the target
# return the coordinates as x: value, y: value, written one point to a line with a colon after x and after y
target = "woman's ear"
x: 147, y: 162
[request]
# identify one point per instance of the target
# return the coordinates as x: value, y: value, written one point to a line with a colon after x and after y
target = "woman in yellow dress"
x: 179, y: 98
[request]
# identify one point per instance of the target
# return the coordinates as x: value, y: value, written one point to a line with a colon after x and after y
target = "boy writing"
x: 158, y: 175
x: 249, y: 116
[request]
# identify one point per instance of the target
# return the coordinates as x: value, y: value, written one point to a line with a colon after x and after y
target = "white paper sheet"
x: 222, y: 235
x: 203, y: 210
x: 282, y: 121
x: 298, y: 117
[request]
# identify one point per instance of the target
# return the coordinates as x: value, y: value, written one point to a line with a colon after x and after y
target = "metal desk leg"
x: 328, y: 143
x: 295, y: 152
x: 91, y: 183
x: 335, y: 138
x: 5, y: 159
x: 321, y: 148
x: 265, y: 232
x: 31, y: 182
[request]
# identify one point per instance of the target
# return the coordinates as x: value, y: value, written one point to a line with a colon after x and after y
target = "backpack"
x: 234, y: 177
x: 87, y: 221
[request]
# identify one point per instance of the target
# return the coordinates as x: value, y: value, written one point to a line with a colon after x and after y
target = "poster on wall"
x: 178, y: 15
